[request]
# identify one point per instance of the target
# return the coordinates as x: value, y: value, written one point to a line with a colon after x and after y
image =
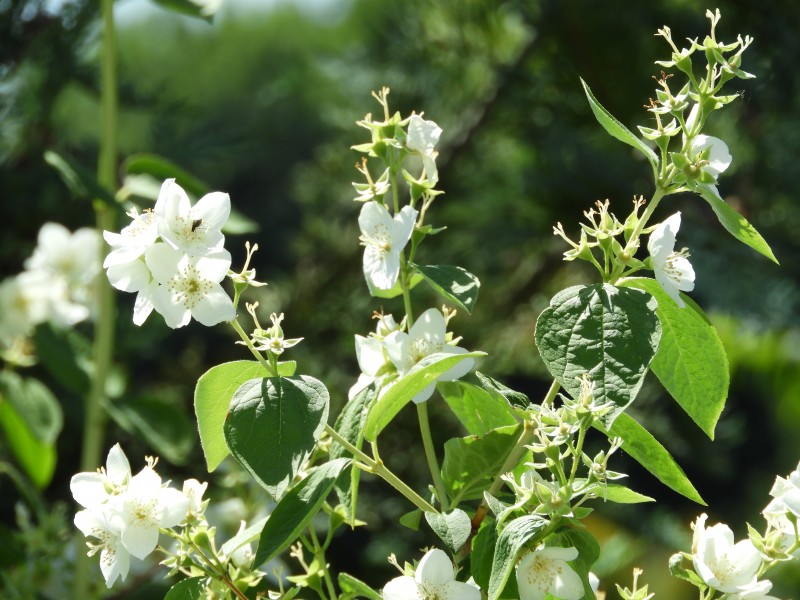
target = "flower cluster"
x: 56, y: 286
x: 391, y: 352
x: 408, y: 146
x: 123, y: 513
x: 173, y: 258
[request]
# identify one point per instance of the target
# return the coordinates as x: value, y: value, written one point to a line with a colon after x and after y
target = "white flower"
x: 384, y: 238
x: 145, y: 507
x: 92, y: 490
x: 71, y: 261
x: 786, y: 494
x: 195, y: 230
x: 422, y: 138
x: 434, y: 578
x: 672, y: 269
x: 721, y: 564
x: 24, y: 303
x: 427, y: 336
x: 190, y: 286
x: 194, y: 490
x: 545, y: 571
x: 115, y: 559
x: 712, y: 156
x: 757, y: 592
x: 131, y: 243
x: 371, y: 354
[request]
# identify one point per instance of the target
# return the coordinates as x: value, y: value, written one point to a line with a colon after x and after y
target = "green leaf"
x: 350, y: 425
x: 37, y: 458
x: 588, y: 553
x: 354, y: 588
x: 691, y: 362
x: 482, y: 557
x: 212, y: 397
x: 423, y: 374
x: 509, y: 543
x: 244, y: 537
x: 455, y: 284
x: 395, y: 291
x: 649, y: 453
x: 80, y: 181
x: 453, y: 527
x: 35, y: 404
x: 274, y: 424
x: 623, y: 495
x: 411, y: 519
x: 66, y: 355
x: 608, y: 332
x: 478, y: 410
x: 296, y: 510
x: 163, y: 425
x: 517, y: 400
x: 471, y: 463
x: 618, y: 130
x: 193, y: 588
x: 736, y: 224
x: 185, y: 7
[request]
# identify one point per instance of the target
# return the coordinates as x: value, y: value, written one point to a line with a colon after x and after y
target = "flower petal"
x: 215, y: 307
x: 402, y: 588
x: 435, y: 568
x: 213, y: 209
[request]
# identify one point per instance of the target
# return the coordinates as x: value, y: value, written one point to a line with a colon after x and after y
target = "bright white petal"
x: 129, y: 276
x: 163, y: 261
x: 213, y: 209
x: 118, y: 469
x: 369, y: 353
x: 402, y: 588
x: 143, y: 305
x: 88, y: 489
x: 115, y: 562
x: 403, y: 227
x: 397, y: 346
x: 460, y: 369
x: 381, y: 267
x: 662, y: 241
x: 215, y: 307
x: 174, y: 505
x: 668, y: 285
x: 457, y: 590
x: 425, y: 394
x: 169, y: 306
x: 430, y: 325
x: 435, y: 568
x: 214, y: 267
x: 373, y: 216
x: 139, y: 540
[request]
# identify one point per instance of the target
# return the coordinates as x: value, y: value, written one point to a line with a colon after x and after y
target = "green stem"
x: 648, y: 212
x: 377, y: 467
x: 576, y: 453
x: 525, y: 438
x: 103, y: 344
x: 319, y: 554
x: 273, y: 372
x: 430, y: 454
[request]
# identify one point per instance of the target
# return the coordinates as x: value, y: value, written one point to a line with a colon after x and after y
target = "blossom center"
x: 189, y: 287
x: 144, y: 513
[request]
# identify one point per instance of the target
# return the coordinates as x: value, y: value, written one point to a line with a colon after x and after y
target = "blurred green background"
x: 262, y: 103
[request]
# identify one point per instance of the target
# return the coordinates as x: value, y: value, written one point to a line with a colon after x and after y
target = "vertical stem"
x: 103, y: 344
x: 430, y: 454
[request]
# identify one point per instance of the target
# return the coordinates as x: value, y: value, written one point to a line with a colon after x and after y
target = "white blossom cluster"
x: 173, y: 258
x: 56, y: 286
x: 123, y: 513
x: 393, y: 352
